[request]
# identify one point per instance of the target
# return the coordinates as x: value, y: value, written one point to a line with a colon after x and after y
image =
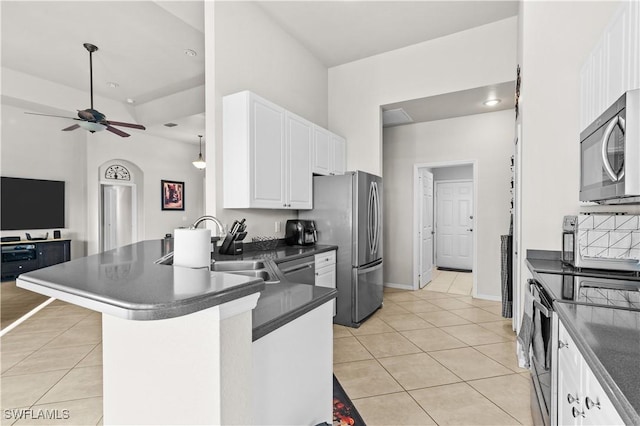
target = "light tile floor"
x: 427, y: 357
x: 434, y: 356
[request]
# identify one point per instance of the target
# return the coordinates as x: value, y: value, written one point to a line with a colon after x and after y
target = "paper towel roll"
x: 192, y: 248
x: 190, y: 281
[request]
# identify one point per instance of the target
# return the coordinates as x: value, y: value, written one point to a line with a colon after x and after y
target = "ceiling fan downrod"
x: 91, y: 48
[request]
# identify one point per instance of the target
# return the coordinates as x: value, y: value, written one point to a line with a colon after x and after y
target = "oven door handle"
x: 543, y: 309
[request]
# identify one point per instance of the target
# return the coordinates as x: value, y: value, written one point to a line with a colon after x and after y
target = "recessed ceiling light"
x: 190, y: 52
x: 112, y: 84
x: 131, y: 101
x: 491, y: 102
x: 170, y: 124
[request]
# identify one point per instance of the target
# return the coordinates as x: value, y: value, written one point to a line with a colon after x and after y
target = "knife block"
x: 233, y: 244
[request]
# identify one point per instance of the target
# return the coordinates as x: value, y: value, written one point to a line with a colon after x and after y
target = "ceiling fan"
x: 91, y: 119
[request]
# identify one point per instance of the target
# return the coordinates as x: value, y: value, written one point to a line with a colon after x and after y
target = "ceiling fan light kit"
x: 199, y: 162
x: 91, y: 119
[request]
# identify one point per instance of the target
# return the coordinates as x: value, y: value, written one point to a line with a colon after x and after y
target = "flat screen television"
x: 31, y: 204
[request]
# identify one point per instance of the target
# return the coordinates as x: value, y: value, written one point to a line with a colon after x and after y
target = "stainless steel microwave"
x: 610, y: 154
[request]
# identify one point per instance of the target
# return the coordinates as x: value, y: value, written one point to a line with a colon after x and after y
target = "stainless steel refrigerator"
x: 347, y: 210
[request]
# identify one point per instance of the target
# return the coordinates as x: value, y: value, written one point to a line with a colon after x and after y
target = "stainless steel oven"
x: 609, y: 152
x: 543, y: 359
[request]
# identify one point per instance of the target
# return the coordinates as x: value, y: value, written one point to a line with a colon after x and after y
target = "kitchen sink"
x: 237, y: 265
x: 248, y: 268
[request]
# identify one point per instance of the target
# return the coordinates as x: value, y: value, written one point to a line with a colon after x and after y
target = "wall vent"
x: 395, y: 117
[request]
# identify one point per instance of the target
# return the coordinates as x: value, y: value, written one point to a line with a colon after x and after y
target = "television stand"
x: 28, y: 255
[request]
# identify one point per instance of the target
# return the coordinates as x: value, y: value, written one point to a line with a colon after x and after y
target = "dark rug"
x: 344, y: 412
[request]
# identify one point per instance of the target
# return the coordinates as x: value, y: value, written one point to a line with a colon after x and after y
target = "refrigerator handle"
x: 377, y: 222
x: 370, y: 225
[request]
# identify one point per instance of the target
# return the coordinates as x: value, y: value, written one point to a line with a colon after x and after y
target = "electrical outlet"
x: 277, y: 227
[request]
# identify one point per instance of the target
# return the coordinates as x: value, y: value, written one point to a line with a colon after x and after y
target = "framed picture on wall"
x: 172, y: 195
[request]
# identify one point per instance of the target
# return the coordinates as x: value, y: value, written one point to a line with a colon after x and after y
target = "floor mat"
x: 344, y: 412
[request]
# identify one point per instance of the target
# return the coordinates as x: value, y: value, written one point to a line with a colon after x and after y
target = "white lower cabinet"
x: 326, y: 272
x: 581, y: 399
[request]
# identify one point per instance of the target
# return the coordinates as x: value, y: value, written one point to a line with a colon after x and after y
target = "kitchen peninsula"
x: 177, y: 342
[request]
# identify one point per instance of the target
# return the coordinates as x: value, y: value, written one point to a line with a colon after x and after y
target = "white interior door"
x: 118, y: 213
x: 454, y: 224
x: 426, y: 227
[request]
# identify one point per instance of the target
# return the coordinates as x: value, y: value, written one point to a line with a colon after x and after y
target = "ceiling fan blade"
x: 50, y: 115
x: 118, y: 132
x: 121, y: 124
x: 67, y: 129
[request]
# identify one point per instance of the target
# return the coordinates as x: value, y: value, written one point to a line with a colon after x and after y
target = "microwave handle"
x: 618, y: 121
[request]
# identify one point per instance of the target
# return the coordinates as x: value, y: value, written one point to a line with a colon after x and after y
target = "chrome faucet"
x: 212, y: 219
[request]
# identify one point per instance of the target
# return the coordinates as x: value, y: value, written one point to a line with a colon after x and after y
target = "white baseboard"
x: 488, y: 297
x: 400, y: 286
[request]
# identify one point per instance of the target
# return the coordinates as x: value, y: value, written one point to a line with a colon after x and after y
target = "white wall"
x: 468, y: 59
x: 252, y: 53
x: 452, y: 173
x: 158, y: 159
x: 35, y: 147
x: 486, y: 138
x: 556, y: 38
x: 32, y: 150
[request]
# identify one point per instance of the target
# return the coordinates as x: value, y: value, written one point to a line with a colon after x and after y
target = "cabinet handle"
x: 590, y: 404
x: 284, y: 205
x: 571, y: 399
x: 577, y: 413
x: 562, y: 344
x: 317, y: 274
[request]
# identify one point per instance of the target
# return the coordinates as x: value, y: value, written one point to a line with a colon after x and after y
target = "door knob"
x: 470, y: 229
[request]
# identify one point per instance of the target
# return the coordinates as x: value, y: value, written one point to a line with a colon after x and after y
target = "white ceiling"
x: 141, y: 44
x: 337, y: 32
x: 458, y: 104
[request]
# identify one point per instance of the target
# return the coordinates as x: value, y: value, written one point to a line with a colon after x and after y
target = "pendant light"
x: 199, y: 163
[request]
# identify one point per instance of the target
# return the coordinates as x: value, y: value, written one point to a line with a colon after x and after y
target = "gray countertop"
x: 608, y: 337
x: 283, y: 302
x: 609, y: 340
x: 127, y: 283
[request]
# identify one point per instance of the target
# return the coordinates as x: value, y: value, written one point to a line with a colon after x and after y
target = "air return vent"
x: 394, y: 117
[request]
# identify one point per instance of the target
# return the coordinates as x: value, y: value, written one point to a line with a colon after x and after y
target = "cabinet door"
x: 52, y: 253
x: 598, y: 409
x: 299, y: 175
x: 321, y: 154
x: 570, y: 393
x: 338, y: 154
x: 268, y: 154
x: 326, y: 277
x: 617, y: 38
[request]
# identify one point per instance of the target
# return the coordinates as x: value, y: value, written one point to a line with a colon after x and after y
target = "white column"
x: 193, y: 369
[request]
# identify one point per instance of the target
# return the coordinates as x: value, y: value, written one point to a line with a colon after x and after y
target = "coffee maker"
x: 300, y: 232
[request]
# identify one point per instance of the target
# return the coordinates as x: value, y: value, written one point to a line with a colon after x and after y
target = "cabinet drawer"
x: 17, y: 268
x: 324, y: 259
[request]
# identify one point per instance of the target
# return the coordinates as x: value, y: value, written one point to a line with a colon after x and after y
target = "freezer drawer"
x: 367, y: 287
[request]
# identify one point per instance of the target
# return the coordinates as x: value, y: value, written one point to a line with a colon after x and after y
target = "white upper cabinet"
x: 299, y: 177
x: 266, y: 155
x: 321, y: 151
x: 329, y: 152
x: 613, y: 67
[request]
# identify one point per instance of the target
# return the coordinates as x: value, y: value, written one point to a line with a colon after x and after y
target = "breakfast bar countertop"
x: 127, y: 283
